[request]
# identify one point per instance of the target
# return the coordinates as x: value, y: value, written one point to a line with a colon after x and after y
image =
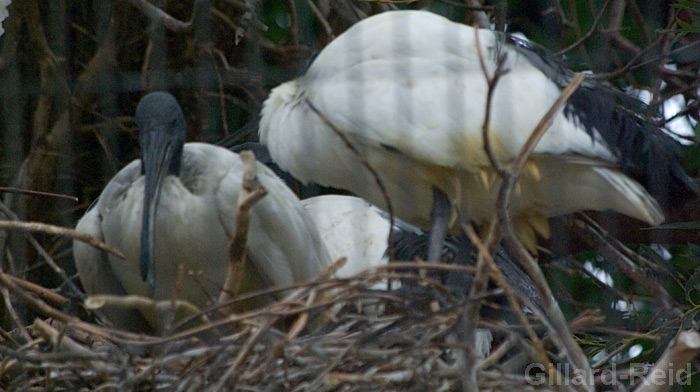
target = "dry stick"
x: 590, y: 32
x: 145, y: 305
x: 13, y: 314
x: 293, y: 23
x: 605, y: 359
x: 58, y: 339
x: 251, y: 192
x: 44, y: 254
x: 502, y: 220
x: 222, y: 94
x: 319, y: 15
x: 58, y: 230
x: 42, y: 307
x: 601, y: 240
x: 561, y: 333
x: 41, y: 291
x: 230, y: 375
x: 302, y: 320
x: 481, y: 278
x: 159, y: 16
x: 678, y: 354
x: 4, y: 189
x: 497, y: 276
x: 248, y: 19
x: 491, y: 82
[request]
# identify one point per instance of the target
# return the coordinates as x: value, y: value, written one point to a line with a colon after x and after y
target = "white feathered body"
x: 407, y: 90
x: 195, y: 222
x: 351, y: 228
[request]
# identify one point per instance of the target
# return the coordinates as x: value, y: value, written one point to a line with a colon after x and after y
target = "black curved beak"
x: 159, y: 152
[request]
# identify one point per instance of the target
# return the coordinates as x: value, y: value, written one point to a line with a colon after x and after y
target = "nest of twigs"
x: 331, y: 334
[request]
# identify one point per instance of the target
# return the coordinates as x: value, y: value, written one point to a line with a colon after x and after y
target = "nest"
x: 331, y: 334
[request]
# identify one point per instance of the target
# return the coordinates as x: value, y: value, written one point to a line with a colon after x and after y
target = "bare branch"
x: 251, y: 192
x: 62, y: 231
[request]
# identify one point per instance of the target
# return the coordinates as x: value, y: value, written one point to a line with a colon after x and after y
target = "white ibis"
x: 177, y: 207
x: 408, y: 92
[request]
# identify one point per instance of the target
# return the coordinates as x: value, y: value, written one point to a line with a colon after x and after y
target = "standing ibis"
x: 408, y: 91
x: 177, y: 207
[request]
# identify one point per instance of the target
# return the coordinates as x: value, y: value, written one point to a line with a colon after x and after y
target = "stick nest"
x: 332, y: 334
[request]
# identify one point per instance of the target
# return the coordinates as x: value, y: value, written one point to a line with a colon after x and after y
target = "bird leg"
x: 440, y: 217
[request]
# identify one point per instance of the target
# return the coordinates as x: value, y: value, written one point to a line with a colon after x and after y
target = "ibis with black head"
x: 176, y: 207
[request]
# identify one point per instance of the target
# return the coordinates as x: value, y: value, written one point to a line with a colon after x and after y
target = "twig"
x: 251, y: 192
x: 491, y: 82
x: 497, y: 276
x: 230, y: 375
x: 57, y: 339
x: 572, y: 350
x: 248, y: 19
x: 21, y: 328
x: 4, y: 189
x: 322, y: 19
x: 41, y: 291
x: 481, y: 278
x: 293, y: 22
x: 542, y: 127
x: 145, y: 305
x: 599, y: 239
x: 42, y: 307
x: 161, y: 17
x: 42, y: 252
x: 593, y: 28
x: 62, y: 231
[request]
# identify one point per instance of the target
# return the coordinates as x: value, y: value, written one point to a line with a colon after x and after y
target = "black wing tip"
x: 646, y: 153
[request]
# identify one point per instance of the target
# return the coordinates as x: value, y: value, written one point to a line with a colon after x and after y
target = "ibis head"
x: 162, y: 130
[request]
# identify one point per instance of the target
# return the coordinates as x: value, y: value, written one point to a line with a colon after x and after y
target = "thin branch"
x: 4, y: 189
x: 601, y: 240
x: 161, y: 17
x: 145, y: 305
x: 569, y: 345
x: 62, y: 231
x: 593, y: 28
x: 40, y: 291
x: 251, y: 192
x: 326, y: 26
x: 498, y: 277
x: 491, y: 82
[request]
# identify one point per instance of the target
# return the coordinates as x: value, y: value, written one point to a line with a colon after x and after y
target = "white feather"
x: 195, y: 222
x: 407, y: 89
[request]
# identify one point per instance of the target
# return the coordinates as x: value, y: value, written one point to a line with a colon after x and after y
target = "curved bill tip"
x: 148, y: 275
